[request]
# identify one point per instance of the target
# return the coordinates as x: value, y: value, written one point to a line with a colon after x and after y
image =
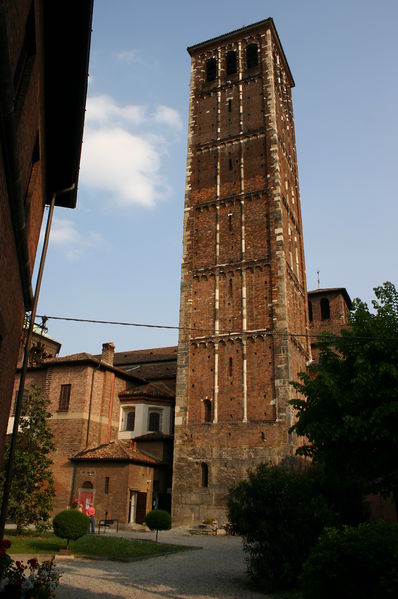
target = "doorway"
x: 132, y: 506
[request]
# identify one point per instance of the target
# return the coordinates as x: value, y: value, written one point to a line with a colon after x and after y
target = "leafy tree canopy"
x: 32, y: 486
x: 349, y: 409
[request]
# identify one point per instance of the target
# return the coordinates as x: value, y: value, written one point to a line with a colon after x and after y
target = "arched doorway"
x: 86, y: 494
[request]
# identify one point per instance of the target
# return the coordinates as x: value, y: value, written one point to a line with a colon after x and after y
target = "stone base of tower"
x: 210, y: 459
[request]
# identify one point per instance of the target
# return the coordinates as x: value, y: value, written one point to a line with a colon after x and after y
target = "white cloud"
x: 168, y: 116
x: 65, y: 235
x: 129, y: 56
x: 120, y: 162
x: 123, y: 150
x: 103, y: 110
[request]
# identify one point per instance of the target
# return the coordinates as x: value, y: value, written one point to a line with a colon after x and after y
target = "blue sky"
x: 117, y: 256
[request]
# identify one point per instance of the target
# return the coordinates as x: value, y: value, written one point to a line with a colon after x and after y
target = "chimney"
x: 108, y: 352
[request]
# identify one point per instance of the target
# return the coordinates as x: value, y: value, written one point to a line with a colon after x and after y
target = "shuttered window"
x: 64, y: 398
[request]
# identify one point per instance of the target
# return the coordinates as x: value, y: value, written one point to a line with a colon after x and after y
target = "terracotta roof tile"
x: 86, y: 357
x: 152, y: 390
x: 141, y: 356
x: 117, y: 450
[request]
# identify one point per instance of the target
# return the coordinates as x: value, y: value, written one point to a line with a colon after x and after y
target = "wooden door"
x: 141, y: 508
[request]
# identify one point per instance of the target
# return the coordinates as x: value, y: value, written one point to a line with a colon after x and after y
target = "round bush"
x: 158, y: 520
x: 70, y: 525
x: 353, y: 562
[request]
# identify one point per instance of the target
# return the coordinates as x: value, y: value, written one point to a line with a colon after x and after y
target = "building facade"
x: 43, y: 84
x: 243, y: 316
x: 112, y: 427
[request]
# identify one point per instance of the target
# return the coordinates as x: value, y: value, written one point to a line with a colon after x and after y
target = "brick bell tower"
x: 243, y: 314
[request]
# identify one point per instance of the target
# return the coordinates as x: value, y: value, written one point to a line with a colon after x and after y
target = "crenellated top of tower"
x: 237, y: 34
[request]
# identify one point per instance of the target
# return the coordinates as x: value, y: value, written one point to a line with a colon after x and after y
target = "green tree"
x: 32, y: 486
x: 280, y: 512
x: 70, y: 525
x: 158, y: 520
x: 349, y: 413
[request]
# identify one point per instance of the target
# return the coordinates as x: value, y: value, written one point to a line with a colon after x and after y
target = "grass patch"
x: 115, y: 548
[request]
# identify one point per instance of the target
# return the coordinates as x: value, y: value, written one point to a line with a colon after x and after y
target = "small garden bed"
x: 91, y: 546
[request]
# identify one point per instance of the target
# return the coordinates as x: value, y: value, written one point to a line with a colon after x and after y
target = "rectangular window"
x: 64, y: 398
x: 106, y: 485
x: 154, y: 422
x: 25, y: 397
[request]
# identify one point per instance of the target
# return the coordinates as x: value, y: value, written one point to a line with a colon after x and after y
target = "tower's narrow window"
x: 310, y: 309
x: 230, y: 221
x: 204, y: 478
x: 325, y: 309
x: 229, y: 105
x: 230, y: 164
x: 230, y: 367
x: 231, y: 63
x: 106, y: 490
x: 251, y: 56
x: 211, y: 69
x: 207, y: 410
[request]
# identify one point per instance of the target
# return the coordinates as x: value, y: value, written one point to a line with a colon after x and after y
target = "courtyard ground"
x: 215, y: 568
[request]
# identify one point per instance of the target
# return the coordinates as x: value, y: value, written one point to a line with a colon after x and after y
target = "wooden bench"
x: 107, y: 523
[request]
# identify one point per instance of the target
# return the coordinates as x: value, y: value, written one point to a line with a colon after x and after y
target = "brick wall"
x: 28, y: 119
x: 333, y: 317
x: 242, y: 284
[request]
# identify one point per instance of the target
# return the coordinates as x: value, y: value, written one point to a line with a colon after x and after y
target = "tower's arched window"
x: 310, y: 309
x: 207, y: 410
x: 251, y: 56
x: 211, y: 69
x: 325, y: 308
x: 154, y: 421
x: 231, y: 62
x: 204, y: 475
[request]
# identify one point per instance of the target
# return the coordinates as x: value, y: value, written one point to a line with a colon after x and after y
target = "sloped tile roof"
x: 86, y: 357
x: 151, y: 390
x: 154, y: 371
x: 141, y: 356
x: 118, y: 451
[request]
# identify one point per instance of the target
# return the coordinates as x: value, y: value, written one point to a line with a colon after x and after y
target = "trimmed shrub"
x: 280, y: 512
x: 353, y: 562
x: 70, y: 525
x: 158, y: 520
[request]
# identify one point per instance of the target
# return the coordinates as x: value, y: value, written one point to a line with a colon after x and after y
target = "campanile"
x: 243, y: 314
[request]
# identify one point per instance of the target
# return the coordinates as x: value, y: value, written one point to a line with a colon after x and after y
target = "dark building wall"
x: 43, y: 73
x: 20, y: 129
x: 243, y: 275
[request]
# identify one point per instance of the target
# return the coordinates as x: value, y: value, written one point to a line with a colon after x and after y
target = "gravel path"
x: 215, y: 568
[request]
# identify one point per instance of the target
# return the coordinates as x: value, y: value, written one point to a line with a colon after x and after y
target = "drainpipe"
x: 108, y: 432
x: 18, y: 403
x: 90, y: 403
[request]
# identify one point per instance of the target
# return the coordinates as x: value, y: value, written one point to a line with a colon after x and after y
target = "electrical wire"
x: 203, y: 331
